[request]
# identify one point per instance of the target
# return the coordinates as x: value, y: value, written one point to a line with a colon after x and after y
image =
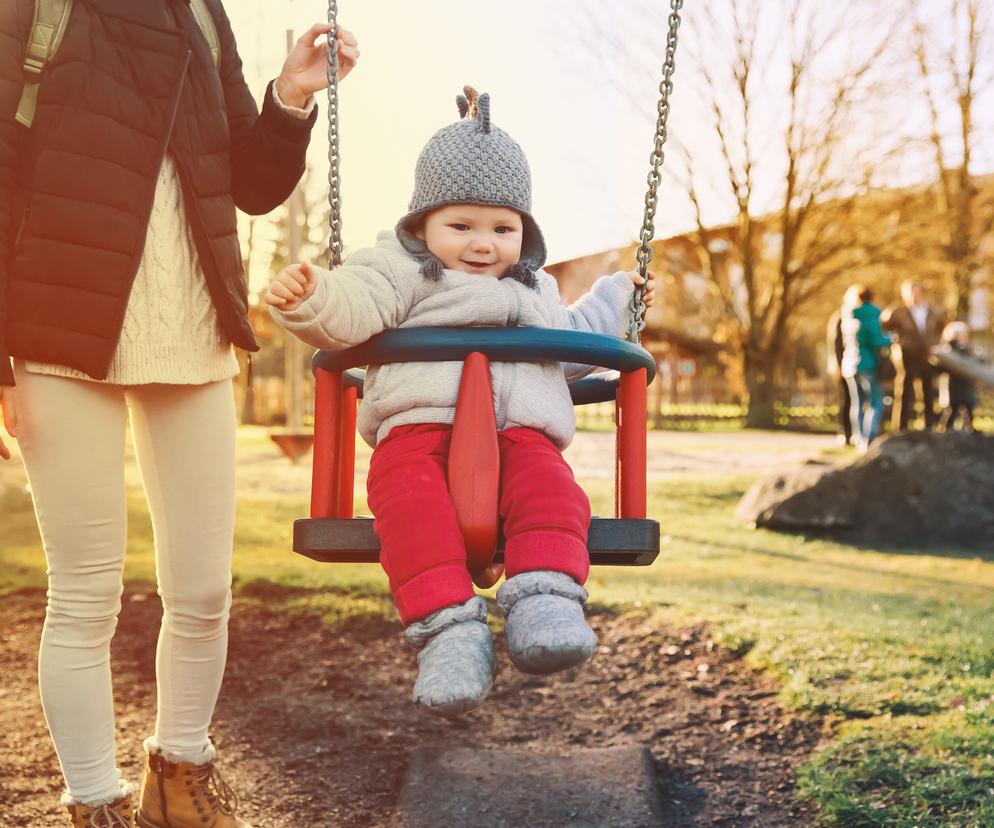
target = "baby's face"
x: 474, y: 238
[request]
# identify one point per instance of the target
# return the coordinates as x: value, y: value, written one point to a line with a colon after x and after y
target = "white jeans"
x: 71, y: 434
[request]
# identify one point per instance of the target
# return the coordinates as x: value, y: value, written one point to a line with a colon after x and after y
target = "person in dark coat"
x: 122, y: 296
x: 917, y: 325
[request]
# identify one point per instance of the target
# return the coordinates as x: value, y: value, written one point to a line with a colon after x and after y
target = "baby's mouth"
x: 479, y: 265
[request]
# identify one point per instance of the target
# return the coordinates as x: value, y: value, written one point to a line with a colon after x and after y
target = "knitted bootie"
x: 455, y: 658
x: 185, y: 795
x: 546, y: 630
x: 117, y: 814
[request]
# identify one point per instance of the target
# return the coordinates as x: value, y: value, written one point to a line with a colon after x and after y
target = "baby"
x: 467, y: 253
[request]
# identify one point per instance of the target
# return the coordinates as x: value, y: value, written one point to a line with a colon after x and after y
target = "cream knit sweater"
x: 171, y: 332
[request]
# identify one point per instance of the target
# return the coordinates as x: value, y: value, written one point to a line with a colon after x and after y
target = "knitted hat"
x: 473, y: 162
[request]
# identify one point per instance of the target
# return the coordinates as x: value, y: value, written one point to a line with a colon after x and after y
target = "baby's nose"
x: 482, y: 243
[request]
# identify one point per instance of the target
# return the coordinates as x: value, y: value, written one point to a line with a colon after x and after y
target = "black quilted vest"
x: 133, y: 79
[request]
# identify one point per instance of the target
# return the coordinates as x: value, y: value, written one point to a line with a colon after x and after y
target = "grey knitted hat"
x: 473, y: 162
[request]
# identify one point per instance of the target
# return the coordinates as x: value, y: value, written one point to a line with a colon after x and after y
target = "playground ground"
x: 778, y: 681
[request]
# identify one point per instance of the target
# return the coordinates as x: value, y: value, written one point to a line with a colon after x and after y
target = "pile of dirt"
x: 316, y: 727
x: 911, y: 490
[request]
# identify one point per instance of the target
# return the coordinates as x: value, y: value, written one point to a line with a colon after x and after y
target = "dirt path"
x: 315, y: 729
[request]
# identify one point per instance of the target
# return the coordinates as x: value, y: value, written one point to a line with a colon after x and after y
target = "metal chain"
x: 334, y: 161
x: 644, y: 254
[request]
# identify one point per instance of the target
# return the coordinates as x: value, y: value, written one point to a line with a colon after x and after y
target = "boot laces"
x: 219, y: 793
x: 107, y: 817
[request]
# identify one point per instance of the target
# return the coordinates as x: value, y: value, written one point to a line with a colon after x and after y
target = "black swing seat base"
x: 611, y: 541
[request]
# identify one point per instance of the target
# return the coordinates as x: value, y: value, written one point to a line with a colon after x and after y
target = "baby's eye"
x: 457, y: 226
x: 505, y: 229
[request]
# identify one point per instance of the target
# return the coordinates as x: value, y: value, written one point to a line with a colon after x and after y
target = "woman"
x: 863, y: 338
x: 121, y: 291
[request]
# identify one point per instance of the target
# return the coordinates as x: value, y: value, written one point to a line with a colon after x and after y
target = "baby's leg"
x: 423, y: 553
x: 546, y: 518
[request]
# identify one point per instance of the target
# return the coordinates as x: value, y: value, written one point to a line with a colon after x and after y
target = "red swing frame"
x: 474, y: 462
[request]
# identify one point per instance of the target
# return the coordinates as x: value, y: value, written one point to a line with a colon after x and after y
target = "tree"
x: 794, y: 178
x: 948, y: 56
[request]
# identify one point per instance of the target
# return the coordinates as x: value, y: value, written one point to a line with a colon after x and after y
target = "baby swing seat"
x: 333, y: 534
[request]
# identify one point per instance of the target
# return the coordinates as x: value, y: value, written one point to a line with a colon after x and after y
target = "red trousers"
x: 546, y: 515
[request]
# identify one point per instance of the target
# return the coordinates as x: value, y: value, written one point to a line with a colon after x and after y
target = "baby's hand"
x: 649, y: 297
x: 291, y: 286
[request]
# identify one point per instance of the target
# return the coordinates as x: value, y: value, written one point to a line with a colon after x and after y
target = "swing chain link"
x: 644, y: 253
x: 334, y: 161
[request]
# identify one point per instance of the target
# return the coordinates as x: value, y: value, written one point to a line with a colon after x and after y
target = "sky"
x: 575, y: 82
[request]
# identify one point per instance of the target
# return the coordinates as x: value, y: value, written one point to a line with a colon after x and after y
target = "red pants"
x: 546, y: 515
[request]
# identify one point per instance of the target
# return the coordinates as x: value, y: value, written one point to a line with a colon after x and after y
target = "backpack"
x: 47, y: 28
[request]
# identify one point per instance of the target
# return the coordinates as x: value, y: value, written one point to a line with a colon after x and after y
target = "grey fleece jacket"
x: 381, y: 287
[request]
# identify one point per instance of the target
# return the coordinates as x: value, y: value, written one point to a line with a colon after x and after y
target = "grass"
x: 896, y: 649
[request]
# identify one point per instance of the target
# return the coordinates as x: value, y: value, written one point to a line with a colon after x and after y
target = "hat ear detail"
x: 484, y: 106
x: 463, y: 105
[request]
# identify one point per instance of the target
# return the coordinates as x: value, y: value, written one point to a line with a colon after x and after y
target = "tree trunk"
x: 962, y: 278
x: 759, y: 379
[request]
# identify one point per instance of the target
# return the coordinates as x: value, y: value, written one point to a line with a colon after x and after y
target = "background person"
x: 835, y: 346
x: 917, y: 326
x: 863, y: 340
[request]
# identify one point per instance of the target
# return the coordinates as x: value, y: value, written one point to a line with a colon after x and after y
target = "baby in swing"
x: 468, y: 253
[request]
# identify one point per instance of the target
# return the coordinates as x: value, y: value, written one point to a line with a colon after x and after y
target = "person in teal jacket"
x: 863, y: 338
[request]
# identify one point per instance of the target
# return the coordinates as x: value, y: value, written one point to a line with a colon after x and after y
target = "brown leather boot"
x: 183, y: 795
x: 119, y: 814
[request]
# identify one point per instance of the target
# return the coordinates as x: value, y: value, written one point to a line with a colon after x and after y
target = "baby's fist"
x: 649, y: 297
x: 292, y: 285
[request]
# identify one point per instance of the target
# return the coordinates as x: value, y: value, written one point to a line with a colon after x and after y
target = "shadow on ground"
x: 315, y: 726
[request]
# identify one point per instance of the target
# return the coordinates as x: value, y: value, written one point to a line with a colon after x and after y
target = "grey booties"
x: 455, y: 658
x: 546, y: 630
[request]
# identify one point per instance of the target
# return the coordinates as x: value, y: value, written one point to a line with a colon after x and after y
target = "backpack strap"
x: 206, y: 23
x: 47, y: 28
x: 49, y: 25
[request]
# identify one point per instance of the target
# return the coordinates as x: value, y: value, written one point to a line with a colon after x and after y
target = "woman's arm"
x: 13, y: 35
x: 268, y: 148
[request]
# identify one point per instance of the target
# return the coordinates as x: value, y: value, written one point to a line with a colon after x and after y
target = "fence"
x: 809, y: 408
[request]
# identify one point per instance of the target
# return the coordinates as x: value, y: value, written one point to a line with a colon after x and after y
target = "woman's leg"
x: 185, y: 443
x: 845, y: 410
x: 71, y: 435
x: 855, y: 410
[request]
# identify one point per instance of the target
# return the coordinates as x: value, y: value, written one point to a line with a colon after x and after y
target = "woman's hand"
x: 649, y: 297
x: 291, y: 286
x: 306, y: 68
x: 9, y: 405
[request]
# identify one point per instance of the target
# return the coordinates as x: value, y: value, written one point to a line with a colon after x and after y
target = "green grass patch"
x: 895, y: 648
